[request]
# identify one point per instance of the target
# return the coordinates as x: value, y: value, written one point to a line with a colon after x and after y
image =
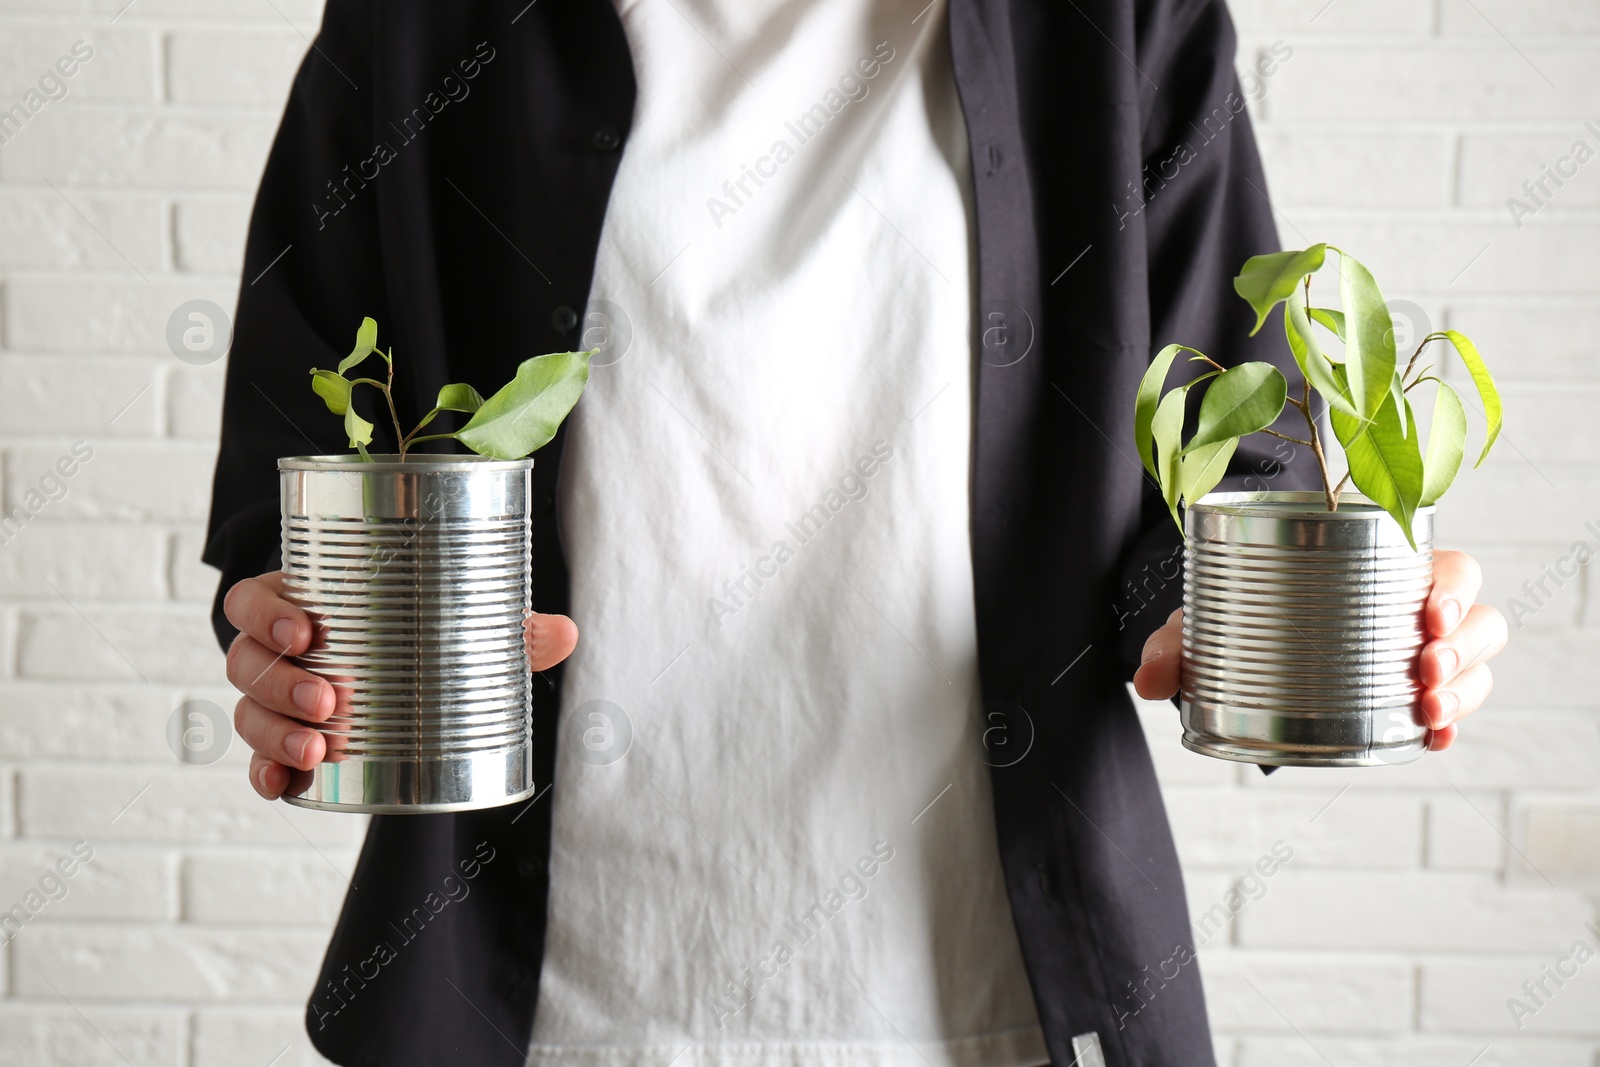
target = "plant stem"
x: 1330, y: 492
x: 388, y: 394
x: 433, y: 437
x: 1286, y: 437
x: 1412, y: 362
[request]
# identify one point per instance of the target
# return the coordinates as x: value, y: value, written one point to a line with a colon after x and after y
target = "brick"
x: 48, y: 721
x: 1252, y: 994
x: 1556, y: 670
x: 1472, y: 998
x: 125, y: 481
x: 184, y: 805
x: 119, y: 645
x: 210, y: 235
x: 8, y: 820
x: 1495, y: 168
x: 1411, y: 1052
x: 194, y: 402
x: 1491, y: 18
x: 1235, y: 829
x: 47, y: 396
x: 1437, y: 912
x: 52, y: 1033
x: 82, y: 561
x: 45, y: 231
x: 1298, y: 18
x: 1375, y: 168
x: 114, y: 884
x: 1531, y: 340
x: 1509, y: 576
x: 190, y: 579
x: 1552, y: 421
x: 277, y: 886
x: 1457, y: 80
x: 1465, y: 832
x: 100, y: 316
x: 1494, y: 508
x: 221, y: 68
x: 1417, y: 255
x: 123, y: 66
x: 143, y: 148
x: 226, y: 1037
x: 1560, y: 839
x: 168, y: 964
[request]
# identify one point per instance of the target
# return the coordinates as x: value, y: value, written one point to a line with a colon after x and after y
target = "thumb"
x: 550, y: 639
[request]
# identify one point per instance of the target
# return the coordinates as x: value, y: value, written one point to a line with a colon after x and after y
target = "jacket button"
x: 564, y: 319
x: 605, y: 139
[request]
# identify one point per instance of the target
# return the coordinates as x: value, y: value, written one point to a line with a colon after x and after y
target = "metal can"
x: 417, y: 575
x: 1301, y: 630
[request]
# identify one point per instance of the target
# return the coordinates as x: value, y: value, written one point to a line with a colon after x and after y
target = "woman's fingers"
x: 1482, y: 634
x: 268, y: 778
x: 1464, y: 695
x: 1456, y: 581
x: 256, y: 606
x: 550, y: 639
x: 277, y: 683
x: 277, y: 737
x: 1161, y: 661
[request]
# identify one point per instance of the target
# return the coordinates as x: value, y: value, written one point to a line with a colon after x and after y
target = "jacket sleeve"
x: 1206, y: 212
x: 311, y: 270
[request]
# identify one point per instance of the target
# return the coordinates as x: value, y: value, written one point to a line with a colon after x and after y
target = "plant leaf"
x: 334, y: 389
x: 1490, y: 396
x: 1144, y: 404
x: 1202, y: 468
x: 359, y: 430
x: 1266, y: 280
x: 1447, y: 442
x: 1167, y: 431
x: 1333, y: 320
x: 1385, y: 465
x: 1397, y: 393
x: 524, y: 415
x: 1242, y: 400
x: 1312, y: 360
x: 1369, y: 337
x: 366, y: 344
x: 459, y: 397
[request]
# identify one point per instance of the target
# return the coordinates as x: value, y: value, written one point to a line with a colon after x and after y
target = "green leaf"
x: 359, y: 430
x: 1267, y: 280
x: 1397, y: 393
x: 1490, y: 396
x: 1312, y: 360
x: 1242, y: 400
x: 1333, y: 320
x: 1369, y: 337
x: 1447, y: 441
x: 1203, y: 468
x: 459, y: 397
x: 525, y: 414
x: 1384, y: 464
x: 366, y: 343
x: 1167, y: 430
x: 1144, y: 404
x: 334, y: 389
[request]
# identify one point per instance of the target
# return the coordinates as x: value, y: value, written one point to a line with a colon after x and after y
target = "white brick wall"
x: 1418, y: 899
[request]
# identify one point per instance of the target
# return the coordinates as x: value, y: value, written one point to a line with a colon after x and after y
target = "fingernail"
x: 283, y: 633
x: 261, y: 777
x: 307, y: 696
x: 1448, y: 661
x: 1449, y: 614
x: 297, y: 743
x: 1449, y: 704
x: 1149, y: 654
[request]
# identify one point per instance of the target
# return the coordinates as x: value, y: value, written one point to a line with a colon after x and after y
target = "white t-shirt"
x: 774, y: 838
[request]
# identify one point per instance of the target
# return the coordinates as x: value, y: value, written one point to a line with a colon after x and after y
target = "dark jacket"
x: 1117, y: 190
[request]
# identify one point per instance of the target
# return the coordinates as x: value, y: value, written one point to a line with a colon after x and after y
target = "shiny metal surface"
x: 1301, y: 629
x: 419, y: 573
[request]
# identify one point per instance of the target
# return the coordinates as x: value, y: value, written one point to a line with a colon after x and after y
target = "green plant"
x: 522, y: 417
x: 1364, y: 388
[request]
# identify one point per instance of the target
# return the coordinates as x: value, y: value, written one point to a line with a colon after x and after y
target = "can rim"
x: 393, y: 464
x: 1295, y: 504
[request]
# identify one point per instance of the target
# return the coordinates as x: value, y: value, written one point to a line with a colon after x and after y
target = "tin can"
x: 417, y: 574
x: 1301, y: 630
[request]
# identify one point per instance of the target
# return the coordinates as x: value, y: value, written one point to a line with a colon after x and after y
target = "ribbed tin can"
x: 418, y: 574
x: 1301, y: 630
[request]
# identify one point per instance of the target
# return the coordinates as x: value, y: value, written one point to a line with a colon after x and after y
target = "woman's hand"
x: 1454, y: 667
x: 281, y: 701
